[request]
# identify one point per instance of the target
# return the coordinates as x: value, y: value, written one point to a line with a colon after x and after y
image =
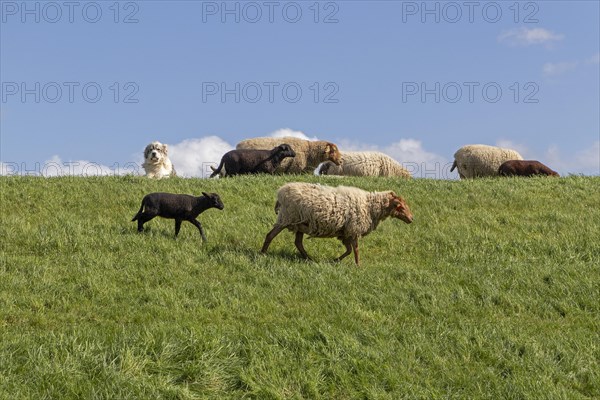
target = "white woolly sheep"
x: 479, y: 160
x: 342, y: 212
x: 364, y: 163
x: 309, y: 154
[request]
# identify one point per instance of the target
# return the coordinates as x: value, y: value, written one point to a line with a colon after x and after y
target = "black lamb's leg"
x: 199, y: 226
x: 177, y: 226
x: 142, y: 219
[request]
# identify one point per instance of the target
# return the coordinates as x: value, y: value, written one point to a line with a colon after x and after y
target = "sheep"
x: 479, y: 160
x: 525, y: 168
x: 364, y: 163
x: 309, y: 154
x: 346, y: 213
x: 181, y: 207
x: 250, y: 161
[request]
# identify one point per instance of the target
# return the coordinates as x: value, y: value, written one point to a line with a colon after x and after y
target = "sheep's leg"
x: 270, y: 236
x: 300, y: 246
x: 348, y: 243
x: 198, y: 225
x: 142, y: 219
x: 177, y: 226
x: 355, y: 248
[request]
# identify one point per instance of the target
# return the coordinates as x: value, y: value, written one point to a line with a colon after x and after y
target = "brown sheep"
x: 525, y: 168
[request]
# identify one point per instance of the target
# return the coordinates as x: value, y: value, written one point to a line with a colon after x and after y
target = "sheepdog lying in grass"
x: 156, y: 161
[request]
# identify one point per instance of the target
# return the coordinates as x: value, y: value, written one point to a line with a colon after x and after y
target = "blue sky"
x: 361, y: 68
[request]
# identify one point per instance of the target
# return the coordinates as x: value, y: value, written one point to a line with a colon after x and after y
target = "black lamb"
x: 181, y: 207
x: 251, y: 161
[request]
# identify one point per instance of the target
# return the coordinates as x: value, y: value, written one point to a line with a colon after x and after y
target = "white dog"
x: 156, y: 163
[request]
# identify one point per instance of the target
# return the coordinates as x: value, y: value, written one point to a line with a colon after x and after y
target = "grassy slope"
x: 493, y: 292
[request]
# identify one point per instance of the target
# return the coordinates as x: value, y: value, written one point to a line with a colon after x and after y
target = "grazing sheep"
x: 479, y: 160
x: 364, y: 163
x: 346, y: 213
x: 181, y: 207
x: 309, y: 154
x: 525, y: 168
x: 250, y: 161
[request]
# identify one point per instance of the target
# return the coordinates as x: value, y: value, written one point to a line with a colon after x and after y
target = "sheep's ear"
x: 205, y: 194
x: 396, y: 200
x: 328, y: 149
x: 165, y: 149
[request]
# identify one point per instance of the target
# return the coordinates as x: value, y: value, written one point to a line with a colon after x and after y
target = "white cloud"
x: 529, y: 37
x: 290, y: 132
x: 585, y: 161
x: 55, y: 166
x: 590, y: 157
x: 595, y: 59
x: 509, y: 144
x: 193, y: 157
x: 410, y: 153
x: 411, y: 150
x: 553, y: 69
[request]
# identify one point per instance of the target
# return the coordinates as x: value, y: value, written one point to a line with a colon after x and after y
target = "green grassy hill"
x: 492, y: 292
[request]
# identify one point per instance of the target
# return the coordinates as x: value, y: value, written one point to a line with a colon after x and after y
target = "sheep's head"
x: 155, y: 152
x: 333, y: 154
x: 285, y: 150
x: 214, y: 200
x: 399, y: 208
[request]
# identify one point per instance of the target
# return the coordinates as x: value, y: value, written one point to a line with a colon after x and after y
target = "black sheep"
x: 181, y: 207
x: 250, y: 161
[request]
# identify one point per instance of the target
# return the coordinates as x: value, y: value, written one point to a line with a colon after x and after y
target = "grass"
x: 493, y: 292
